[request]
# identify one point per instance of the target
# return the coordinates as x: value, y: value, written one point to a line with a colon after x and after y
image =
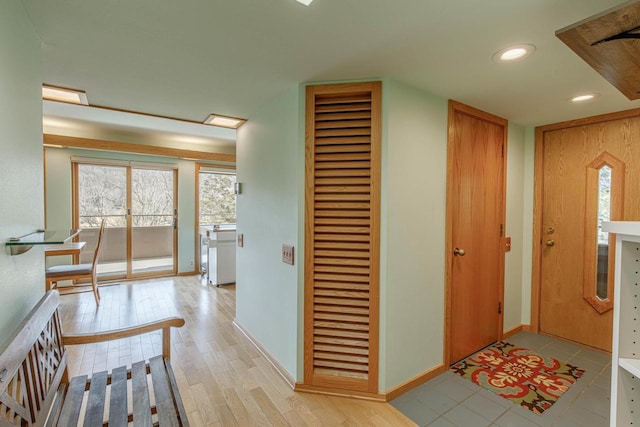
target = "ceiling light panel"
x: 61, y: 94
x: 224, y: 121
x: 305, y: 2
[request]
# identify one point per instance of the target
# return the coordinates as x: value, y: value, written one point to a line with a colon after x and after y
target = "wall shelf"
x: 21, y: 244
x: 625, y: 371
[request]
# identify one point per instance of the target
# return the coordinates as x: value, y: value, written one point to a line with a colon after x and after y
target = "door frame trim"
x: 538, y: 191
x: 453, y: 107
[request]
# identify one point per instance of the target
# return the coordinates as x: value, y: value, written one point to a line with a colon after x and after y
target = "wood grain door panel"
x: 568, y: 152
x: 475, y: 197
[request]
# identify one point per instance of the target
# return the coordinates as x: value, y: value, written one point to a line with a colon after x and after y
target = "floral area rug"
x: 520, y: 375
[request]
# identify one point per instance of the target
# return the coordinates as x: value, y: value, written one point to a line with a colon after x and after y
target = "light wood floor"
x: 223, y: 379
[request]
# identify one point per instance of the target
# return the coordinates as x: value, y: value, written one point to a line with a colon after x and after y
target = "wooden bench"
x: 35, y: 389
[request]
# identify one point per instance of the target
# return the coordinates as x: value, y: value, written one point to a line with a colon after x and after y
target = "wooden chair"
x: 77, y: 271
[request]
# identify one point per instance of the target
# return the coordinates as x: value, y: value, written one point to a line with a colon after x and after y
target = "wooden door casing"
x: 475, y: 224
x: 564, y: 152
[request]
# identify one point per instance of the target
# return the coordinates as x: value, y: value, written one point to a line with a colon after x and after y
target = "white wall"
x: 413, y: 222
x: 269, y: 166
x: 527, y: 236
x: 21, y: 191
x: 412, y: 245
x: 58, y: 181
x: 514, y: 227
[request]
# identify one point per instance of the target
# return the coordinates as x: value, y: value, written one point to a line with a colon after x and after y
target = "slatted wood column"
x: 342, y: 237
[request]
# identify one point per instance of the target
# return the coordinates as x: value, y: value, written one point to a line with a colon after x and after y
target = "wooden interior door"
x: 341, y: 313
x: 475, y: 228
x: 572, y: 154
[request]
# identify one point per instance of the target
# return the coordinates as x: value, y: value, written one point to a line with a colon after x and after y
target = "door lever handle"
x: 458, y: 252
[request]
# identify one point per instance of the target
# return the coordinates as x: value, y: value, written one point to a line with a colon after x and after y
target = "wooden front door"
x: 475, y: 229
x: 590, y: 172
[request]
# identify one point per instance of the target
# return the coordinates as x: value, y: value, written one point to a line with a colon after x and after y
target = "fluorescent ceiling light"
x: 583, y: 98
x: 61, y: 94
x: 224, y: 121
x: 514, y: 53
x: 305, y: 2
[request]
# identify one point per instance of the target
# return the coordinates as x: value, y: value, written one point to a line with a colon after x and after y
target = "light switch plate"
x: 287, y: 254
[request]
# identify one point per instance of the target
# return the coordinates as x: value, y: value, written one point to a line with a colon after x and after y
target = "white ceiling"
x: 189, y: 58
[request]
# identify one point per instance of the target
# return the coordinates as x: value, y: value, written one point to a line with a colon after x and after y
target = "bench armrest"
x: 131, y: 331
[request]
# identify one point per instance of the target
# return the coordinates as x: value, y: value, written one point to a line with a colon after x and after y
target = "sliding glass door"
x: 153, y: 220
x: 138, y: 205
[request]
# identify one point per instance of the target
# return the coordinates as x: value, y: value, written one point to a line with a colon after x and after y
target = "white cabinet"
x: 625, y: 366
x: 221, y: 253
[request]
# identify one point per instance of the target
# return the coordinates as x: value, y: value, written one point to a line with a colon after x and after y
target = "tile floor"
x: 450, y: 400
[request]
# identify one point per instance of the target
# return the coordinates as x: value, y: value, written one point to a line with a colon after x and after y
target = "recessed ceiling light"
x: 514, y: 53
x: 305, y: 2
x: 583, y: 98
x: 62, y: 94
x: 224, y: 121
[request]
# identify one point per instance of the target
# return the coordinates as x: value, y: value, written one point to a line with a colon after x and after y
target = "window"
x: 217, y: 199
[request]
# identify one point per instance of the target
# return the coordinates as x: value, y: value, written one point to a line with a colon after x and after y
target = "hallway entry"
x: 474, y: 230
x: 586, y: 173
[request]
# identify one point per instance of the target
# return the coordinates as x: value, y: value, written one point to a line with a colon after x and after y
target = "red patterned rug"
x: 528, y: 379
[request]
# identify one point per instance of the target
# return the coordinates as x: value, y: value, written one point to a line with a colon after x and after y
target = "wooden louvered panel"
x: 342, y: 261
x: 339, y: 285
x: 339, y: 157
x: 346, y: 270
x: 339, y: 98
x: 343, y: 181
x: 358, y: 164
x: 364, y: 222
x: 336, y: 108
x: 340, y: 278
x: 355, y: 115
x: 343, y: 189
x: 342, y: 254
x: 351, y: 140
x: 334, y: 317
x: 333, y: 330
x: 341, y: 245
x: 341, y: 294
x: 341, y: 301
x: 349, y: 368
x: 345, y: 342
x: 341, y: 349
x: 346, y: 214
x: 345, y: 124
x: 342, y: 229
x: 342, y: 358
x: 332, y: 306
x: 350, y: 148
x: 342, y: 236
x: 343, y: 132
x: 341, y: 197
